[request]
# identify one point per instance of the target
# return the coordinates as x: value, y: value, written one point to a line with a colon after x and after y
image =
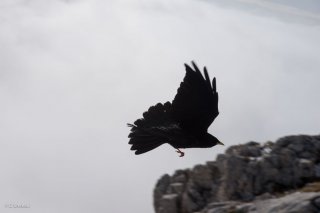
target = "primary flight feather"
x: 184, y: 122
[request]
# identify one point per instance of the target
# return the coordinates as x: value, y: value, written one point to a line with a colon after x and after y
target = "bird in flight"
x: 184, y: 122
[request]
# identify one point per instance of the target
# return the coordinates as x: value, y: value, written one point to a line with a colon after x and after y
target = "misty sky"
x: 74, y: 72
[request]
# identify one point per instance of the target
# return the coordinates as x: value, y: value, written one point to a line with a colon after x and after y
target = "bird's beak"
x: 220, y: 143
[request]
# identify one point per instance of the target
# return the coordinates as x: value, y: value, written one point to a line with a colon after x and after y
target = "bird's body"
x: 182, y: 123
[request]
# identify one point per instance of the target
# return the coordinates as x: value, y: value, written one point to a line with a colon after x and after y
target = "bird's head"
x: 210, y: 140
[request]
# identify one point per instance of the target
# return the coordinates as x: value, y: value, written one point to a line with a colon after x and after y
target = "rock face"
x: 275, y: 177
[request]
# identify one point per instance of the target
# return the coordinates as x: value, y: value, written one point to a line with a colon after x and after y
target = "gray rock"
x: 315, y: 201
x: 250, y: 149
x: 245, y: 178
x: 221, y: 207
x: 160, y: 189
x: 202, y: 176
x: 293, y: 203
x: 317, y: 170
x: 168, y: 204
x: 177, y: 188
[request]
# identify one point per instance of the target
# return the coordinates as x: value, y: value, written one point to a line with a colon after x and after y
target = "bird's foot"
x: 180, y: 152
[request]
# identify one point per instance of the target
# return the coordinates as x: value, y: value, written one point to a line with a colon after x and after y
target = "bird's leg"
x: 180, y: 152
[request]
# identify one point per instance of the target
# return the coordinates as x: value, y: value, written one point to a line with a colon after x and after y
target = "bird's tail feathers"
x: 143, y: 141
x: 146, y: 133
x: 142, y: 148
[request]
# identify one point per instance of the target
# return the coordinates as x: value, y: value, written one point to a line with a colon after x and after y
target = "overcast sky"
x: 74, y: 72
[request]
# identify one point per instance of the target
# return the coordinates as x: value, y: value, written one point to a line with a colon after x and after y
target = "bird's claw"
x: 180, y: 152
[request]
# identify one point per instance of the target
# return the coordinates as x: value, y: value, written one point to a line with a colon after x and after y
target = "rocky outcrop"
x: 273, y: 177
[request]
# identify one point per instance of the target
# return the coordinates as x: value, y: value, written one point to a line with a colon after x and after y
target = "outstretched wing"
x: 196, y: 104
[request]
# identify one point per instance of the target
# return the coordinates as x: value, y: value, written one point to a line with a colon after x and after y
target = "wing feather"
x: 195, y: 105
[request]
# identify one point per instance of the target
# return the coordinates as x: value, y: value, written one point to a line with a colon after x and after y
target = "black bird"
x: 184, y: 122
